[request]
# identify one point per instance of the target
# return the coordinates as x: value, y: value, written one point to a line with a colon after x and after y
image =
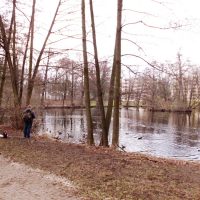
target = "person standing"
x: 28, y: 117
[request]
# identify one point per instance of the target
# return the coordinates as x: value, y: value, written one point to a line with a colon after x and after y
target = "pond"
x: 162, y: 134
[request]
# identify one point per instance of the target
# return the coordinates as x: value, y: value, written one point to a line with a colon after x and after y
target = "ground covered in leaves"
x: 102, y: 173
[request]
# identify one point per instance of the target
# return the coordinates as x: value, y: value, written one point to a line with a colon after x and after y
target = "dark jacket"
x: 28, y: 116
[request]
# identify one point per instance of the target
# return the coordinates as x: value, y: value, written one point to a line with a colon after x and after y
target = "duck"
x: 60, y: 133
x: 4, y: 135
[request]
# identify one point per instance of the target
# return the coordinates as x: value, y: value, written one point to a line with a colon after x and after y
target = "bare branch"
x: 139, y: 47
x: 156, y: 27
x: 150, y: 64
x: 22, y: 13
x: 127, y: 66
x: 140, y: 12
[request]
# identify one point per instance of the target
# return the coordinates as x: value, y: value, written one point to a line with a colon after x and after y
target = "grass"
x: 102, y: 173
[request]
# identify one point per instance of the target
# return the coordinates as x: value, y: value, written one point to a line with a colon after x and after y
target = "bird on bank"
x: 3, y: 135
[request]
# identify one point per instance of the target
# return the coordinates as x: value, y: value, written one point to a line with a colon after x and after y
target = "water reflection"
x: 160, y: 134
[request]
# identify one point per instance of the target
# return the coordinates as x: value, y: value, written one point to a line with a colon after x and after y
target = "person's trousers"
x: 27, y: 129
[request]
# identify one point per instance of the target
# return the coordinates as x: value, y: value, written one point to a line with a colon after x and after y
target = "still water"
x: 172, y: 135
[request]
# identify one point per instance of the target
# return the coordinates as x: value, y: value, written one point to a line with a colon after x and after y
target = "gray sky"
x: 156, y: 44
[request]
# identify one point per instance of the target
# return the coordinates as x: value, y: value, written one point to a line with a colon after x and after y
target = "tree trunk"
x: 45, y: 81
x: 65, y: 88
x: 32, y: 80
x: 90, y: 138
x: 31, y: 46
x: 115, y: 136
x: 72, y: 86
x: 111, y: 93
x: 3, y: 78
x: 14, y: 54
x: 6, y: 44
x: 23, y: 64
x: 12, y: 63
x: 98, y: 81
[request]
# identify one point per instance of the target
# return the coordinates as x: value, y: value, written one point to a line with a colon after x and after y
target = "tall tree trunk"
x: 181, y: 104
x: 6, y: 45
x: 15, y: 66
x: 31, y: 45
x: 130, y: 90
x: 72, y: 86
x: 115, y: 135
x: 21, y: 86
x: 191, y: 95
x: 3, y: 78
x: 111, y: 92
x: 45, y: 81
x: 65, y: 88
x: 32, y: 80
x: 12, y: 63
x: 90, y: 138
x: 82, y: 90
x: 98, y: 81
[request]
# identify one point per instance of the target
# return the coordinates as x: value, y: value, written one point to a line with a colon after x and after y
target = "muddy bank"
x: 101, y: 173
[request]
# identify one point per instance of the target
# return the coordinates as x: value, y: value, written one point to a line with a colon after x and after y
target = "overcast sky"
x: 156, y: 44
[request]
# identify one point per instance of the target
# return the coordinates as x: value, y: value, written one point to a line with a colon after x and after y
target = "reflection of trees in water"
x: 189, y: 139
x: 150, y: 117
x: 179, y: 128
x: 157, y: 117
x: 180, y: 120
x: 185, y: 131
x: 82, y: 123
x: 195, y: 119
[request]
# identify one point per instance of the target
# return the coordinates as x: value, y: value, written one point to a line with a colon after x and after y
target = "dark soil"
x: 103, y: 173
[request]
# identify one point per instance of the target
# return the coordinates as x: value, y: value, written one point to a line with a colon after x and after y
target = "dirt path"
x: 20, y: 182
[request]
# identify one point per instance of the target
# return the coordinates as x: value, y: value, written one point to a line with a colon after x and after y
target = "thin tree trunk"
x: 115, y: 135
x: 31, y: 46
x: 23, y: 64
x: 3, y: 78
x: 111, y: 91
x: 82, y: 90
x: 32, y: 80
x: 15, y: 67
x: 90, y: 138
x: 12, y: 62
x: 6, y: 45
x: 65, y: 89
x: 98, y: 81
x: 111, y: 95
x: 130, y: 90
x: 45, y: 80
x: 72, y: 86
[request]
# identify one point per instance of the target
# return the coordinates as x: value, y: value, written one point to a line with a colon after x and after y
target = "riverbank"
x: 101, y: 173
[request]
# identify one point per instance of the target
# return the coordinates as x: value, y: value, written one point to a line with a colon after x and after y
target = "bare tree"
x: 31, y: 81
x: 3, y: 78
x: 98, y: 81
x: 45, y: 80
x: 115, y: 135
x: 90, y: 139
x: 6, y: 45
